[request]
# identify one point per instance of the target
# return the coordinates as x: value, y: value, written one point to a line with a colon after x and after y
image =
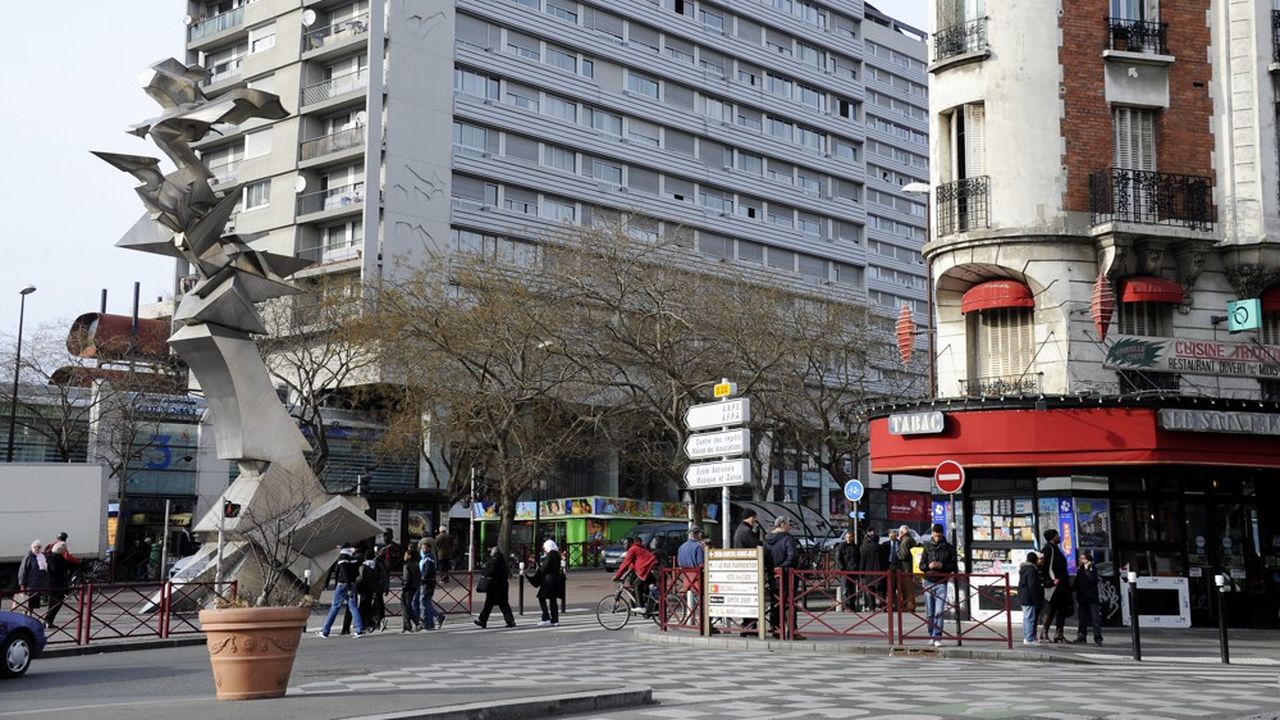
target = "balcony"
x: 964, y: 205
x: 1138, y: 36
x: 335, y: 33
x: 337, y: 198
x: 335, y: 86
x: 225, y: 174
x: 223, y: 72
x: 1150, y: 198
x: 1138, y: 381
x: 332, y: 252
x: 333, y: 142
x: 216, y: 24
x: 962, y: 39
x: 1002, y: 385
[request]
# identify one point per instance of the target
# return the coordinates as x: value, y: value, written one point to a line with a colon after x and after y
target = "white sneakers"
x: 320, y: 634
x: 1030, y: 642
x: 937, y: 643
x: 544, y: 623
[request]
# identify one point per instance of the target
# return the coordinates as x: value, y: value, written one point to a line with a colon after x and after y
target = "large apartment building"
x: 752, y: 128
x: 1105, y: 189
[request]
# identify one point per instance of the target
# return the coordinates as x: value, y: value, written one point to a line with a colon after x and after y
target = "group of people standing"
x: 1046, y: 594
x: 871, y: 555
x: 45, y: 574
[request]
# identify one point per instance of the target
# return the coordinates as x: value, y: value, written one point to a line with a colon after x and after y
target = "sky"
x: 72, y: 87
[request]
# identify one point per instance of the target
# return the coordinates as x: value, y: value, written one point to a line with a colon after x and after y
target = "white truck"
x: 40, y: 500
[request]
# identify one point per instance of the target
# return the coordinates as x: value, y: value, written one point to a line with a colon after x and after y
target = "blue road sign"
x: 853, y: 490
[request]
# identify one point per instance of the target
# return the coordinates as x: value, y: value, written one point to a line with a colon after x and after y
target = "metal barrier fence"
x: 90, y: 613
x: 890, y: 606
x: 453, y: 597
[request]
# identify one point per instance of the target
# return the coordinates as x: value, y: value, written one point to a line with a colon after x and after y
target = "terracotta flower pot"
x: 252, y: 649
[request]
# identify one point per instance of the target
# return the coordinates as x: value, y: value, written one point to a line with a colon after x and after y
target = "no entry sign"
x: 949, y: 477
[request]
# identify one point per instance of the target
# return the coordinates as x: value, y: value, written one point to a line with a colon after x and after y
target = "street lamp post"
x: 919, y: 188
x: 17, y: 369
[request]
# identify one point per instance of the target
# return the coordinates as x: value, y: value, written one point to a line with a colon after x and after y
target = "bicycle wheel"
x: 613, y: 612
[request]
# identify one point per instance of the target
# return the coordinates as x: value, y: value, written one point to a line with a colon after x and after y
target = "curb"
x: 547, y: 706
x: 78, y: 650
x: 656, y: 637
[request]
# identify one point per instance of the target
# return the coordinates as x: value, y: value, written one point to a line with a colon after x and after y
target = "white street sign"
x: 717, y: 474
x: 735, y: 585
x: 721, y: 444
x: 718, y: 414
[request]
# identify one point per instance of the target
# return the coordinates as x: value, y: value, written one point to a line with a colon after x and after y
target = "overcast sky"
x: 72, y: 87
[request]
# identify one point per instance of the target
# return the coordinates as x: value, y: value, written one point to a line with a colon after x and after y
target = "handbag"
x: 483, y: 584
x: 534, y: 576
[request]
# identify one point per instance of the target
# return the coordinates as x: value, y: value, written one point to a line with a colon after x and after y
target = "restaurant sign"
x: 1219, y: 422
x: 1195, y: 357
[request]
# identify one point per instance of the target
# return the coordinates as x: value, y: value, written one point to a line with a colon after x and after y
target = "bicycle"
x: 615, y: 611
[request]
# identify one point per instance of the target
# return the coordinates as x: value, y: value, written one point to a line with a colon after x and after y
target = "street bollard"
x: 1221, y: 582
x: 1133, y: 616
x: 521, y: 591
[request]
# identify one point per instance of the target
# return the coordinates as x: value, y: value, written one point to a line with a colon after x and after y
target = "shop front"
x: 1181, y: 489
x: 572, y: 521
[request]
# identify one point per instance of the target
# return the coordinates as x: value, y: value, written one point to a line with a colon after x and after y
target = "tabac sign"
x: 1195, y: 357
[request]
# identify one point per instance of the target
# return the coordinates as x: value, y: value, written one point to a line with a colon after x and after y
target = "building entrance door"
x: 1222, y: 538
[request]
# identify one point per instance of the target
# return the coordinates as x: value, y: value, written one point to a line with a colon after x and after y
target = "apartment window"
x: 750, y: 119
x: 748, y: 162
x: 1151, y: 319
x: 588, y: 68
x: 781, y: 172
x: 712, y: 64
x: 263, y: 38
x: 559, y: 209
x: 606, y: 172
x: 781, y: 259
x: 522, y: 97
x: 679, y: 50
x: 778, y: 86
x: 645, y: 133
x: 810, y: 55
x: 1270, y: 333
x: 562, y: 58
x: 520, y: 201
x: 473, y: 83
x: 523, y: 45
x: 641, y: 36
x: 809, y: 226
x: 257, y: 194
x: 559, y: 158
x: 748, y: 75
x: 605, y: 122
x: 778, y: 48
x: 712, y: 20
x: 642, y: 228
x: 715, y: 200
x: 812, y: 267
x: 470, y: 137
x: 850, y: 275
x: 967, y: 136
x: 642, y: 85
x: 716, y: 246
x: 1131, y: 10
x: 812, y: 98
x: 780, y: 216
x: 781, y: 129
x: 1004, y: 342
x: 535, y: 4
x: 809, y: 183
x: 566, y: 11
x: 257, y: 143
x: 561, y: 108
x: 1135, y: 146
x: 811, y: 139
x: 716, y: 109
x: 751, y: 252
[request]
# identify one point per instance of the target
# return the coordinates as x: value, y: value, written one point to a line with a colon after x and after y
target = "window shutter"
x: 1145, y: 145
x: 1005, y: 342
x: 1123, y: 150
x: 974, y: 140
x: 1135, y: 139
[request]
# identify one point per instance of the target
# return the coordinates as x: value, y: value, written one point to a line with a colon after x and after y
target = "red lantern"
x: 906, y: 330
x: 1103, y: 305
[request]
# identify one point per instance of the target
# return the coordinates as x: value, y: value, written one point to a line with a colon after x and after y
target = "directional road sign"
x: 721, y: 444
x: 853, y: 490
x: 949, y: 477
x: 718, y: 474
x: 718, y: 414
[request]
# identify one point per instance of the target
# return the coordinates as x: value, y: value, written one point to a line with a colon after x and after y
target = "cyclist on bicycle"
x: 637, y: 559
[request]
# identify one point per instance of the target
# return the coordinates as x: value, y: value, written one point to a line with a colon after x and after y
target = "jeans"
x: 344, y: 595
x: 1029, y: 623
x: 1090, y: 614
x: 935, y: 604
x: 412, y: 607
x: 426, y: 598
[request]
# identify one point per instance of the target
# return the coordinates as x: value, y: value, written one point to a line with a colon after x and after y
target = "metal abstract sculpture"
x: 186, y: 219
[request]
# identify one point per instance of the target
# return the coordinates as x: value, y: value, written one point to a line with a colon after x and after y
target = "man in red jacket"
x: 639, y: 560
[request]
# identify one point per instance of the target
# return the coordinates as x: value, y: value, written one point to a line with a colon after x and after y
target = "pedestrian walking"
x: 871, y: 559
x: 782, y: 555
x: 378, y: 605
x: 1030, y: 596
x: 59, y: 576
x: 848, y: 559
x: 410, y: 591
x: 553, y: 582
x: 366, y: 588
x: 938, y: 561
x: 493, y: 583
x: 429, y: 571
x: 444, y: 552
x: 33, y: 576
x: 1057, y: 588
x: 1087, y: 606
x: 346, y: 572
x: 906, y: 575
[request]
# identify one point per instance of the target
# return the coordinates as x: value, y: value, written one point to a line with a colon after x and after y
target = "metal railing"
x: 216, y: 24
x: 331, y: 199
x: 960, y: 39
x: 333, y: 142
x: 335, y: 86
x: 336, y: 31
x: 328, y: 253
x: 964, y: 205
x: 1138, y: 36
x: 1002, y: 385
x: 1151, y: 198
x: 1148, y: 381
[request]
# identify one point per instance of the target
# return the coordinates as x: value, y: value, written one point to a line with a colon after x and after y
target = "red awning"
x: 1271, y: 300
x: 1146, y: 288
x: 997, y: 294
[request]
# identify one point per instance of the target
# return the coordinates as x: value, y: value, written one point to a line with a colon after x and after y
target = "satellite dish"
x: 361, y: 117
x: 308, y: 18
x: 188, y: 20
x: 299, y: 184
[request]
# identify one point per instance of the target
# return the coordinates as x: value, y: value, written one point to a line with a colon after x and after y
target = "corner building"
x: 1105, y: 181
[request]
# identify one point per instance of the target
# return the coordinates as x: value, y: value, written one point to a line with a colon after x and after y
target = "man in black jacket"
x: 848, y: 560
x: 1030, y: 596
x: 747, y: 535
x: 1057, y: 587
x: 871, y: 559
x: 1087, y: 606
x: 781, y: 553
x: 938, y: 562
x: 346, y: 571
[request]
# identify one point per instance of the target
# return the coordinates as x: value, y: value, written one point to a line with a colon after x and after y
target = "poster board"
x: 735, y: 586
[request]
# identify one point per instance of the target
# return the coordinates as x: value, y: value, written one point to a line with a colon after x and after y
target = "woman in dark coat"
x: 496, y: 576
x: 552, y: 588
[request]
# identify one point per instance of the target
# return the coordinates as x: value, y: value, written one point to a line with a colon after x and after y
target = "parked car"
x: 21, y: 641
x: 670, y: 536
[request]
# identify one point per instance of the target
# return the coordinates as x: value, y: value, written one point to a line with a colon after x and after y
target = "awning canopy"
x: 1271, y: 300
x: 997, y: 294
x: 1147, y: 288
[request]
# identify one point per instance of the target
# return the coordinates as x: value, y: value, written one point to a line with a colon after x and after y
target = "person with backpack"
x: 410, y: 592
x: 781, y: 552
x: 429, y: 572
x: 346, y: 572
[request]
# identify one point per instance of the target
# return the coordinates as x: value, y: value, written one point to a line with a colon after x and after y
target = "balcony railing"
x: 333, y: 142
x: 1138, y: 36
x: 1275, y: 36
x: 331, y: 199
x: 216, y: 24
x: 223, y: 71
x: 335, y: 32
x: 1002, y: 385
x: 960, y: 39
x: 1150, y: 198
x: 333, y: 252
x: 1136, y: 381
x: 964, y: 205
x: 334, y: 86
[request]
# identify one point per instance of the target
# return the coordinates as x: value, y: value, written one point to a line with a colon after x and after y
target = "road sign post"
x: 724, y: 446
x: 853, y: 492
x: 949, y: 478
